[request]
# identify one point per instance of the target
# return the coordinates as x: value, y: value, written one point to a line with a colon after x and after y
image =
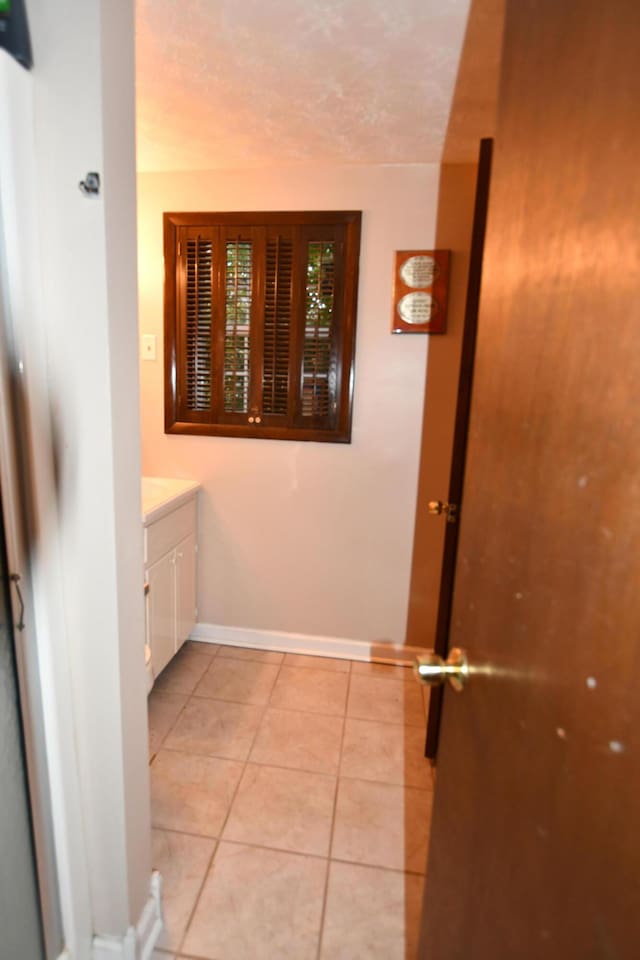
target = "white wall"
x: 305, y: 537
x: 72, y: 306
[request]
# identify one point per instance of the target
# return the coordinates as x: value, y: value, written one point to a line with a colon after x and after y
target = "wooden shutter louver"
x: 198, y: 265
x: 318, y: 375
x: 277, y: 326
x: 237, y: 349
x: 260, y: 316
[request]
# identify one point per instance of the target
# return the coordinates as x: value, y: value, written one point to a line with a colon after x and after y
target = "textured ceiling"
x: 223, y: 83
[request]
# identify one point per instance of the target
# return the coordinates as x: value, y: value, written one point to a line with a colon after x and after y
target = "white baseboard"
x: 139, y: 941
x: 379, y: 651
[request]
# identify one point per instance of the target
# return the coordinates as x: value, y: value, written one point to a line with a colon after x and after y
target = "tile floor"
x: 290, y: 806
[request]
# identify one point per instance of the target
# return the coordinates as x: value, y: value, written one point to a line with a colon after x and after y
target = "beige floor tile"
x: 310, y: 690
x: 183, y: 862
x: 201, y: 646
x: 392, y: 701
x: 258, y: 905
x: 317, y: 663
x: 182, y: 673
x: 287, y: 809
x: 249, y: 653
x: 382, y: 824
x: 371, y: 914
x: 192, y: 793
x: 302, y: 741
x: 388, y: 752
x: 215, y: 728
x: 162, y: 955
x: 385, y: 671
x: 163, y: 712
x: 241, y: 681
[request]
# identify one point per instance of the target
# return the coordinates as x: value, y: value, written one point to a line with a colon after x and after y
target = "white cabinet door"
x: 185, y: 588
x: 162, y: 611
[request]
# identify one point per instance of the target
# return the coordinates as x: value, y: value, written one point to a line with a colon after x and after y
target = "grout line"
x: 335, y: 775
x: 197, y: 897
x: 240, y: 703
x: 171, y: 726
x: 333, y: 817
x: 245, y: 762
x: 213, y: 647
x: 265, y: 662
x: 202, y: 753
x: 222, y: 829
x: 243, y: 703
x: 191, y: 956
x: 396, y: 723
x: 266, y: 706
x: 184, y: 833
x: 272, y: 849
x: 385, y: 783
x: 285, y: 769
x: 294, y: 853
x: 376, y: 866
x: 417, y: 725
x: 317, y: 665
x: 306, y: 713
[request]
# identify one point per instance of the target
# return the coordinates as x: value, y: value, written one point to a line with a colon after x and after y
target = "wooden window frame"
x: 344, y: 223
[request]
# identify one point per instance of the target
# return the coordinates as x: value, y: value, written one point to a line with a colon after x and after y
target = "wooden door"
x: 535, y: 849
x: 459, y: 452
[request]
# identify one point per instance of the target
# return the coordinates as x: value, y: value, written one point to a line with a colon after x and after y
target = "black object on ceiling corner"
x: 14, y: 31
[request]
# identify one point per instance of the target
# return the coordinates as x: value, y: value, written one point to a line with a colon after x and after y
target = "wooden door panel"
x: 535, y: 846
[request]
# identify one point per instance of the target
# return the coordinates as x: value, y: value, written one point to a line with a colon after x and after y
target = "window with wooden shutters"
x: 260, y: 314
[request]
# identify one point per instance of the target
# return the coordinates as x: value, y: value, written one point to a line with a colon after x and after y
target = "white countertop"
x: 161, y: 495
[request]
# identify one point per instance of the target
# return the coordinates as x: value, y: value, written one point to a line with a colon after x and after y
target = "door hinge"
x: 15, y: 579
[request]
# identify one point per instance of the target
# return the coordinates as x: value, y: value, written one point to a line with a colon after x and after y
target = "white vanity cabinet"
x: 170, y: 553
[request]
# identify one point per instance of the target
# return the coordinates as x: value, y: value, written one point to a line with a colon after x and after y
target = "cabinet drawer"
x: 164, y: 534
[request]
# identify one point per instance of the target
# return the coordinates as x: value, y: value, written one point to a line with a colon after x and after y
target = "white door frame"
x: 71, y: 308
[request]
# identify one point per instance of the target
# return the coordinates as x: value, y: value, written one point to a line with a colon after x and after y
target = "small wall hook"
x: 90, y: 186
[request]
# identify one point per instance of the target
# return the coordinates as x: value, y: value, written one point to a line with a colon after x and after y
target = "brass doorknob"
x: 450, y: 510
x: 433, y: 670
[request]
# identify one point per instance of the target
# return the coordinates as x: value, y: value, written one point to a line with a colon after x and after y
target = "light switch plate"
x: 148, y: 346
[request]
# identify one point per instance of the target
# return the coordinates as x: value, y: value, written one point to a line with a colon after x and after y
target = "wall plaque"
x: 421, y: 281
